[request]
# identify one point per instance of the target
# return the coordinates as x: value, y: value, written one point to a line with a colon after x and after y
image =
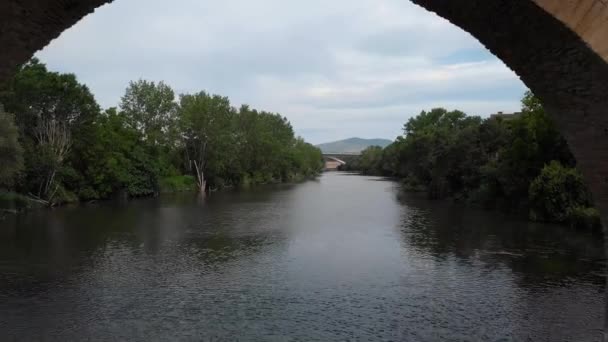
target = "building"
x: 505, y: 116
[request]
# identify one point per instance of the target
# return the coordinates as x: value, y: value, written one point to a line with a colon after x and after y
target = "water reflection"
x: 557, y: 273
x: 342, y: 258
x: 537, y: 252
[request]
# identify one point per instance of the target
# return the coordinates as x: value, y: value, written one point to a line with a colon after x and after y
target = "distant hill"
x: 352, y: 145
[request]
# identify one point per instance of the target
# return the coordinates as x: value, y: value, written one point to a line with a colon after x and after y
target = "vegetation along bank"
x: 58, y: 146
x: 517, y: 163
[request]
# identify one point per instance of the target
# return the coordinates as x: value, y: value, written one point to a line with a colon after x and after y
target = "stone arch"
x: 559, y: 48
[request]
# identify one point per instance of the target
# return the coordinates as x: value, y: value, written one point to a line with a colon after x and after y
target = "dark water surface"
x: 343, y: 258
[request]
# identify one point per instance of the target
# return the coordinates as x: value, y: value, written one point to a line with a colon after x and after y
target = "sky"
x: 335, y: 69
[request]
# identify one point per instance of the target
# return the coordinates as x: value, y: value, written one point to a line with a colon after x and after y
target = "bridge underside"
x: 558, y: 48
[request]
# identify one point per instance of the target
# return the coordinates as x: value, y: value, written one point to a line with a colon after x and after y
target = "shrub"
x: 11, y: 153
x: 177, y: 184
x: 584, y: 218
x: 63, y: 196
x: 10, y: 201
x: 556, y: 192
x: 413, y: 184
x: 88, y: 194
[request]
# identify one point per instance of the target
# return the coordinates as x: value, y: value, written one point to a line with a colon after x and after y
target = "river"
x: 341, y: 258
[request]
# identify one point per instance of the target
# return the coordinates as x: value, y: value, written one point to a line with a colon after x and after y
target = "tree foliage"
x: 207, y: 137
x: 519, y: 163
x: 51, y: 110
x: 150, y: 108
x: 73, y: 150
x: 556, y: 193
x: 369, y: 162
x: 11, y: 153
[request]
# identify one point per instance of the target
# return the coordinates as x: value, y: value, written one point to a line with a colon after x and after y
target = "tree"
x: 437, y: 118
x: 54, y: 140
x: 441, y: 150
x: 206, y: 129
x: 36, y: 94
x: 532, y: 142
x: 556, y: 193
x: 114, y: 160
x: 392, y: 157
x: 150, y: 108
x: 70, y: 150
x: 51, y: 109
x: 370, y: 160
x: 306, y: 159
x: 11, y: 153
x: 264, y: 142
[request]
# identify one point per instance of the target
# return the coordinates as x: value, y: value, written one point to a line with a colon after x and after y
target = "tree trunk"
x: 200, y: 177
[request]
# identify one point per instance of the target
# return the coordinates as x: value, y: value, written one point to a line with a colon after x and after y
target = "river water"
x: 341, y: 258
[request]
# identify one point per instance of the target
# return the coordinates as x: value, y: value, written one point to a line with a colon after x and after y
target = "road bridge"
x: 333, y: 161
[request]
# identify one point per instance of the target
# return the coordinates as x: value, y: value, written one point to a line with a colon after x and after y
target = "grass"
x: 177, y: 184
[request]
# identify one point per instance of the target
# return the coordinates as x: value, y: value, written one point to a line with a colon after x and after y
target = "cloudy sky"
x: 336, y: 69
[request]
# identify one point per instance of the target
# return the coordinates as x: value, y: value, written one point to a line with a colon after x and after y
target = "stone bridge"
x: 559, y: 48
x: 334, y: 160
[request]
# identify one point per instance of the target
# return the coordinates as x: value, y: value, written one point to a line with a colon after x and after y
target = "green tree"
x: 11, y: 153
x: 35, y: 94
x: 264, y: 141
x: 392, y: 158
x: 533, y: 141
x: 52, y: 110
x: 441, y: 151
x: 303, y: 160
x: 556, y: 193
x: 115, y: 161
x: 206, y: 124
x: 151, y: 108
x: 520, y: 163
x: 370, y: 160
x: 71, y: 150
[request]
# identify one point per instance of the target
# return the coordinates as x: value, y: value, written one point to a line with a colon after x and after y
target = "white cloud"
x: 335, y: 68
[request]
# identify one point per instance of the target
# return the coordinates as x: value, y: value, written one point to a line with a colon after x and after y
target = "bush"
x: 11, y: 153
x: 412, y: 184
x: 556, y: 192
x: 13, y: 202
x: 177, y: 184
x: 63, y: 196
x: 260, y: 177
x: 486, y: 196
x: 245, y: 181
x: 88, y: 194
x: 585, y: 218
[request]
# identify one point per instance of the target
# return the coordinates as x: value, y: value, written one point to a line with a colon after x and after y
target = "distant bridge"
x: 333, y: 161
x: 341, y: 153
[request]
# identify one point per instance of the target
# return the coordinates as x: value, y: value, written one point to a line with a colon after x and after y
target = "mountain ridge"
x: 352, y: 145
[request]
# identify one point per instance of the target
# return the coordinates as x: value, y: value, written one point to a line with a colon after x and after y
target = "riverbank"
x: 580, y: 218
x: 15, y: 203
x: 142, y: 147
x: 518, y: 164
